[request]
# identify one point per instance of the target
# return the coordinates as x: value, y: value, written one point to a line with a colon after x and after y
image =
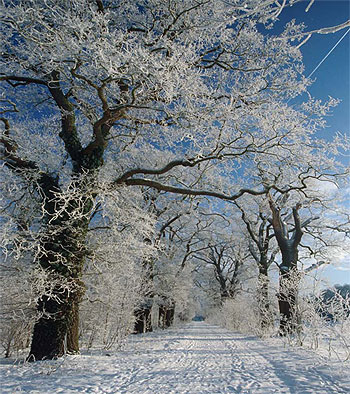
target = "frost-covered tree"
x: 180, y: 237
x: 289, y: 230
x: 113, y: 274
x: 289, y: 247
x: 261, y: 245
x: 100, y: 95
x: 227, y: 259
x: 172, y: 223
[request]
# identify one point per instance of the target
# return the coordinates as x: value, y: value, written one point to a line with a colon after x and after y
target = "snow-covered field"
x: 196, y: 358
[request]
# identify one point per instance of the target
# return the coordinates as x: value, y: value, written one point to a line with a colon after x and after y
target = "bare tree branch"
x: 187, y: 191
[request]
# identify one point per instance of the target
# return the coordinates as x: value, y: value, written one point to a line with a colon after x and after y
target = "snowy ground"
x: 196, y: 358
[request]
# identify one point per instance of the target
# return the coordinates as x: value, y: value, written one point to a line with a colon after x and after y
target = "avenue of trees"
x: 157, y: 153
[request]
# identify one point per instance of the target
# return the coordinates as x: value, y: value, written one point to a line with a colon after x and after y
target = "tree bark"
x: 57, y: 330
x: 287, y: 301
x: 49, y: 333
x: 63, y: 235
x: 143, y: 322
x: 166, y: 314
x: 289, y: 281
x: 73, y: 329
x: 62, y: 259
x: 170, y: 313
x: 161, y: 316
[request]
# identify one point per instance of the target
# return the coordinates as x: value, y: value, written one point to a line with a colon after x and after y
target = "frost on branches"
x: 182, y: 96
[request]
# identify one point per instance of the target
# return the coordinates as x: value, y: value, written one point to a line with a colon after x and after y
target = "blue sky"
x: 331, y: 78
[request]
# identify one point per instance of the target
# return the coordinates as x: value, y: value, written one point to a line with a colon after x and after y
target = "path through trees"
x: 195, y: 358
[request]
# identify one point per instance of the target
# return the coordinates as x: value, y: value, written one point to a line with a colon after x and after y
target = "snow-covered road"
x: 197, y: 358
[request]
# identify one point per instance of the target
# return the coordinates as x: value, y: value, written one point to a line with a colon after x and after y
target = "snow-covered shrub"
x: 325, y: 323
x: 19, y: 280
x: 114, y: 276
x: 238, y: 314
x: 184, y: 295
x: 107, y: 312
x: 16, y: 308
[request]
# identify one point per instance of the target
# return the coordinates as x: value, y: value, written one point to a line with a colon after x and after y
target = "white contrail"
x: 329, y: 53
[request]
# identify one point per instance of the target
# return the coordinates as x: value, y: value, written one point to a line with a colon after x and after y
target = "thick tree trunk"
x: 162, y: 316
x: 73, y: 330
x: 63, y: 247
x: 50, y: 331
x: 139, y: 326
x: 143, y: 322
x: 57, y: 330
x: 285, y: 304
x: 288, y: 288
x: 166, y: 315
x: 289, y: 278
x: 170, y: 313
x: 287, y: 301
x: 65, y: 221
x: 143, y: 314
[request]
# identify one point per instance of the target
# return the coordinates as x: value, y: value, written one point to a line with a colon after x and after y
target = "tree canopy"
x: 104, y: 100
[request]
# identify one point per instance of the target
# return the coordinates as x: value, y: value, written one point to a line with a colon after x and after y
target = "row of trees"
x: 122, y: 123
